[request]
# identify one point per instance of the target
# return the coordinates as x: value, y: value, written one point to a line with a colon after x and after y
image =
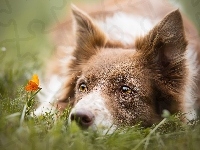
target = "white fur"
x: 125, y: 27
x: 47, y: 96
x: 96, y: 105
x: 190, y: 97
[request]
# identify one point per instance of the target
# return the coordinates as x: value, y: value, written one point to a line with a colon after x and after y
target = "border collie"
x: 123, y: 63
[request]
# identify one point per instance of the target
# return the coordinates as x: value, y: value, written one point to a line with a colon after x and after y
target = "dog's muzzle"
x: 83, y: 118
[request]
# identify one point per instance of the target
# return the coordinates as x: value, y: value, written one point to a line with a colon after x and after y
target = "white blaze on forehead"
x: 95, y: 103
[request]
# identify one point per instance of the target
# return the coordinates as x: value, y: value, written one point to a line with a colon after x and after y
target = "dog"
x: 122, y: 65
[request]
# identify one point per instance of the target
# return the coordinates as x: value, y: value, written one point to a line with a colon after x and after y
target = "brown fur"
x: 154, y: 67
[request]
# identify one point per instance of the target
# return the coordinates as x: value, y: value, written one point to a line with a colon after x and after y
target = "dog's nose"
x: 83, y: 118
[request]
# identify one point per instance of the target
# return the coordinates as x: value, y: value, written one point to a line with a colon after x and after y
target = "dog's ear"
x: 89, y: 37
x: 163, y: 51
x: 166, y: 42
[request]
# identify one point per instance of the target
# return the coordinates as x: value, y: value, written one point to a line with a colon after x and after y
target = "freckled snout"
x: 91, y: 112
x: 84, y: 118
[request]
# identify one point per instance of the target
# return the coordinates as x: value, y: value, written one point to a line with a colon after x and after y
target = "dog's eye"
x: 125, y: 89
x: 82, y: 87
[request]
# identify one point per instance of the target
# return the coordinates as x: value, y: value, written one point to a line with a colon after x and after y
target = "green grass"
x: 18, y: 130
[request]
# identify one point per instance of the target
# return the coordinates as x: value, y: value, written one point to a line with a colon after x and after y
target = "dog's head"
x: 115, y: 85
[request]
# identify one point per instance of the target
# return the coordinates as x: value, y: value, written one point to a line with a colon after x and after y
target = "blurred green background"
x: 25, y: 26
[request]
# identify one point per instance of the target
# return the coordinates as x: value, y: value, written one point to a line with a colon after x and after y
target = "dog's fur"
x: 125, y: 64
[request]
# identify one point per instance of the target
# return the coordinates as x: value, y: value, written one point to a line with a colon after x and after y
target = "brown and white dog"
x: 124, y: 64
